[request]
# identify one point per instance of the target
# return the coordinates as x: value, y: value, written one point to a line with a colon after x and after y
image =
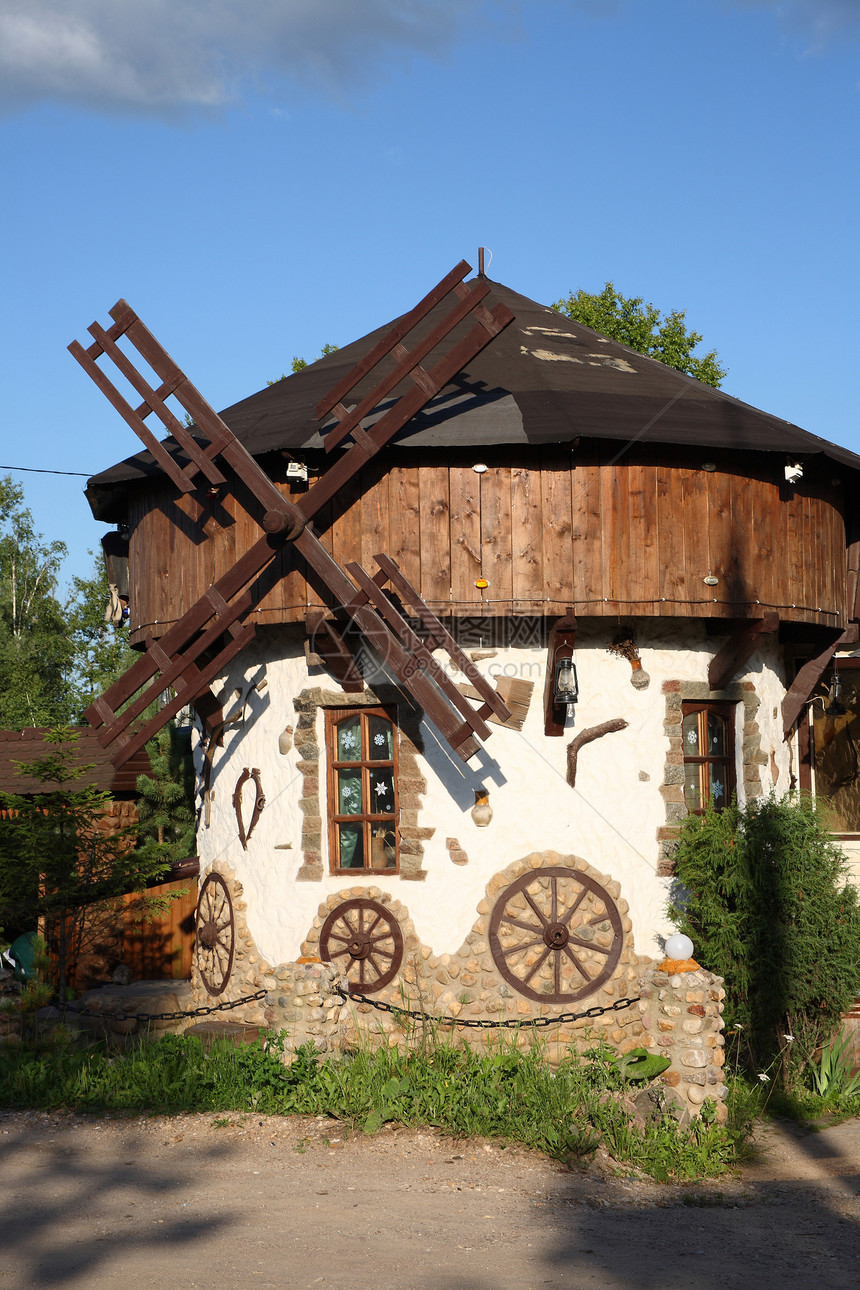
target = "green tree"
x: 57, y: 858
x: 762, y: 891
x: 299, y: 364
x: 101, y: 652
x: 642, y: 327
x: 36, y: 653
x: 167, y: 823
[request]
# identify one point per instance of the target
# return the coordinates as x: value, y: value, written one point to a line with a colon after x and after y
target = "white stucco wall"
x: 610, y: 818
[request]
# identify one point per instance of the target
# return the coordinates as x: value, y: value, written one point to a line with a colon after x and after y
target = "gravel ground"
x: 242, y: 1201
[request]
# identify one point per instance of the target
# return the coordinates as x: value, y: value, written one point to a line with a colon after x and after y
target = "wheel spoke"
x: 373, y: 924
x: 535, y: 908
x: 574, y: 907
x: 518, y: 922
x: 524, y: 945
x: 556, y: 973
x: 537, y: 966
x: 553, y: 883
x: 576, y: 963
x: 589, y: 945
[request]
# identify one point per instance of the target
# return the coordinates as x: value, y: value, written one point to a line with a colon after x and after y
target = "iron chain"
x: 480, y: 1023
x: 469, y: 1023
x: 164, y: 1016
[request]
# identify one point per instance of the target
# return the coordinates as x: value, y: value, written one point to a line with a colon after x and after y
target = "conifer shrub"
x: 762, y: 891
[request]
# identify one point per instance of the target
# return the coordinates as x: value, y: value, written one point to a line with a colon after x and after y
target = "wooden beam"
x: 809, y: 676
x: 391, y: 338
x: 408, y: 365
x: 740, y: 647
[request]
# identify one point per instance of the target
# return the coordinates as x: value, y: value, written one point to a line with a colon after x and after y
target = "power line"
x: 37, y: 470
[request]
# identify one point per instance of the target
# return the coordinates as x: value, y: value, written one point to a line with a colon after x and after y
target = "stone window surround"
x: 672, y: 790
x: 411, y: 782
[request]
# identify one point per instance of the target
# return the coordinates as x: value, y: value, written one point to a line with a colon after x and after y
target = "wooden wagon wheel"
x: 215, y: 936
x: 365, y: 941
x: 556, y: 935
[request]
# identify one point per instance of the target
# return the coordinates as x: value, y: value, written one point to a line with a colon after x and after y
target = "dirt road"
x: 193, y: 1201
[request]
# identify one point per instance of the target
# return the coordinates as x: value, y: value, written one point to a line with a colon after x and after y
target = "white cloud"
x: 817, y: 21
x: 165, y: 56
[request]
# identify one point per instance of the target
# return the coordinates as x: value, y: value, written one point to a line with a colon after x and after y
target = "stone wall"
x: 682, y: 1016
x: 468, y: 985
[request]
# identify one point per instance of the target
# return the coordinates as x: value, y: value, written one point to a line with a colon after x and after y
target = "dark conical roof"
x: 545, y: 379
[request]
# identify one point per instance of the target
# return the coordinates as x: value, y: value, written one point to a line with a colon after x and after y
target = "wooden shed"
x: 113, y: 934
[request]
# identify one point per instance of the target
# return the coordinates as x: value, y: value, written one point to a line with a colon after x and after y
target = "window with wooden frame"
x: 829, y: 747
x: 362, y: 789
x: 708, y: 738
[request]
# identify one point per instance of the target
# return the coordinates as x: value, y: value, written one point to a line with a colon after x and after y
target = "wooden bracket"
x: 853, y: 570
x: 562, y: 639
x: 586, y: 737
x: 809, y: 676
x: 740, y: 647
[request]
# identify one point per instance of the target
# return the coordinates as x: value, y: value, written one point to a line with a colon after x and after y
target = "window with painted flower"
x: 362, y: 789
x: 709, y: 754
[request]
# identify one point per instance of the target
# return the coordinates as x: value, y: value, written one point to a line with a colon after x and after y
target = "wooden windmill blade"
x: 172, y: 661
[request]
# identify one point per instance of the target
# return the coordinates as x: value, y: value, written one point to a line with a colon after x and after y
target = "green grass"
x: 566, y: 1111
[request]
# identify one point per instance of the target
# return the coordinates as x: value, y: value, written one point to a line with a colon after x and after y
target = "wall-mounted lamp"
x: 834, y: 706
x: 793, y: 472
x: 560, y: 687
x: 709, y: 466
x: 479, y: 468
x: 566, y: 685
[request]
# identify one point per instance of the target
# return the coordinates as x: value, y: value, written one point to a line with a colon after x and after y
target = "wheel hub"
x: 360, y: 945
x: 208, y: 934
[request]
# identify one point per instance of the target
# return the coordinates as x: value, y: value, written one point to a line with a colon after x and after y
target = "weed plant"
x: 567, y: 1111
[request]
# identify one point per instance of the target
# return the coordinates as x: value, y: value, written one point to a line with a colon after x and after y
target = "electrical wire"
x: 38, y: 470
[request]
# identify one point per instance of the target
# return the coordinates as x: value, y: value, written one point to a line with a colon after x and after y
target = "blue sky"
x: 260, y: 177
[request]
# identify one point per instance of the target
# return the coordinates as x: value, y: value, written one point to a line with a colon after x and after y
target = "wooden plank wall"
x: 161, y: 950
x: 547, y: 527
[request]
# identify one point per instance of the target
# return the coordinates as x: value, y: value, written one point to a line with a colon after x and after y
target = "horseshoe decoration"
x: 556, y: 935
x: 259, y: 803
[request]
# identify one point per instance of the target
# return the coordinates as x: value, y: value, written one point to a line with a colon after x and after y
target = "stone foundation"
x: 678, y: 1015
